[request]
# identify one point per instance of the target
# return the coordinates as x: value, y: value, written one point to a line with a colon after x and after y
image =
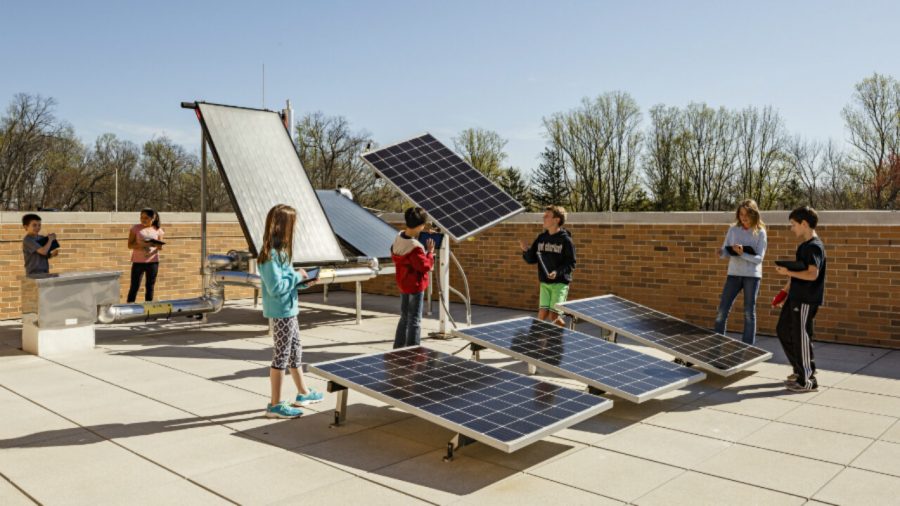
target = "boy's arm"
x: 530, y: 255
x: 568, y: 264
x: 813, y: 260
x: 34, y: 247
x: 421, y: 261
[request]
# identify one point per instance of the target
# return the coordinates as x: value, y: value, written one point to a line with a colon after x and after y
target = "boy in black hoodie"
x: 554, y: 252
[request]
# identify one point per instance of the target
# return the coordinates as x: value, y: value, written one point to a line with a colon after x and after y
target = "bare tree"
x: 708, y: 154
x: 664, y: 175
x: 624, y: 150
x: 761, y: 143
x: 26, y: 132
x: 330, y: 153
x: 873, y: 120
x: 117, y: 160
x: 482, y: 149
x: 165, y: 169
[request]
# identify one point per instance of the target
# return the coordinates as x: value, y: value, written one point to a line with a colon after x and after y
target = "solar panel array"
x: 714, y: 352
x: 500, y: 408
x: 621, y: 371
x: 456, y: 195
x: 260, y: 169
x: 360, y: 229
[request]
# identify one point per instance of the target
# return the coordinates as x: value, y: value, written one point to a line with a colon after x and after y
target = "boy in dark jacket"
x: 805, y: 293
x: 412, y: 262
x: 554, y: 252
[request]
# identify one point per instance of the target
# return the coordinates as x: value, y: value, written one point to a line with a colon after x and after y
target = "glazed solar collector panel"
x: 456, y: 195
x: 711, y: 351
x: 499, y: 408
x: 260, y: 168
x: 623, y: 372
x: 356, y: 226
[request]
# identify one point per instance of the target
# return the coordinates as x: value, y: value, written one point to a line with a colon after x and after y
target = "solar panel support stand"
x: 458, y: 441
x: 358, y: 302
x: 340, y: 409
x: 444, y: 266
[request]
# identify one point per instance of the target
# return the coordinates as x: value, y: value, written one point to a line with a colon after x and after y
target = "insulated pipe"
x: 125, y: 313
x: 348, y: 275
x: 236, y: 278
x: 221, y: 261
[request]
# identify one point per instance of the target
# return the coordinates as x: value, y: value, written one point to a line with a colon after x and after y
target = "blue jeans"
x: 733, y: 285
x: 409, y: 328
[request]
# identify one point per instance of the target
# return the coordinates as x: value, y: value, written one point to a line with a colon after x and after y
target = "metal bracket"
x: 595, y: 391
x: 532, y: 370
x: 611, y: 336
x: 340, y: 409
x: 458, y: 441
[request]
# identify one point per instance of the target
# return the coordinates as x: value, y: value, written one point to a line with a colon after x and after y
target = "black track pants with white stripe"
x: 795, y: 331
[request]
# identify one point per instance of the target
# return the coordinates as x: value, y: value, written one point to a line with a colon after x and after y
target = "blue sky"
x: 399, y: 68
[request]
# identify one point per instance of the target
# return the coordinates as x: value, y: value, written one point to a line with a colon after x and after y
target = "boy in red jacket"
x: 412, y: 262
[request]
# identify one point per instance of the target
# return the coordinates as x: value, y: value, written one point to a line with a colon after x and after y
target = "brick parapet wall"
x: 664, y: 260
x: 667, y: 261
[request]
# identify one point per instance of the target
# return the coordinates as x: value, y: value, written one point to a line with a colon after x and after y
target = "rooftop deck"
x: 172, y: 412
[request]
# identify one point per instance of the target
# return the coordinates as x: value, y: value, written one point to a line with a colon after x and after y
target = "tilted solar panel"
x: 456, y: 195
x: 621, y: 371
x: 362, y: 230
x: 260, y: 169
x: 503, y: 409
x: 711, y: 351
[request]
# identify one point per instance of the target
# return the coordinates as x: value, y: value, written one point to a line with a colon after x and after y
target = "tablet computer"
x: 791, y: 265
x: 436, y: 236
x: 43, y: 242
x: 311, y: 274
x: 747, y: 249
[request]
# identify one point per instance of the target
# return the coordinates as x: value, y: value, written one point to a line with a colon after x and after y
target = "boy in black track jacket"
x: 805, y: 293
x: 554, y: 252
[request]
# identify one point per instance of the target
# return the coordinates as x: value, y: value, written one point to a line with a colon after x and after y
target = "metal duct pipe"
x: 212, y: 302
x: 347, y: 275
x: 236, y: 278
x: 221, y: 261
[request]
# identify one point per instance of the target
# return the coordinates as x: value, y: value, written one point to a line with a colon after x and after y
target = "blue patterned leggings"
x: 287, y: 351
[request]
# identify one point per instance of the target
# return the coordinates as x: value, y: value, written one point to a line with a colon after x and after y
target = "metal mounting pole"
x: 444, y: 295
x: 204, y: 263
x: 358, y: 302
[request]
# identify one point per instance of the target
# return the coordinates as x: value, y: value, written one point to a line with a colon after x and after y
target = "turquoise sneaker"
x: 282, y: 410
x: 311, y: 398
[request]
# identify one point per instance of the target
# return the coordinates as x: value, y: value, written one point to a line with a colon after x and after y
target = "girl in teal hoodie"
x: 280, y: 283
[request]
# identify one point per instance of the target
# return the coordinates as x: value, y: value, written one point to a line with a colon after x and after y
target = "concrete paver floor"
x: 171, y: 412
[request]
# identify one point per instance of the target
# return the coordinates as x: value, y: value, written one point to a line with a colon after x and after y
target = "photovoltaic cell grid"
x: 626, y: 373
x: 260, y: 168
x: 360, y: 229
x: 714, y: 352
x: 456, y: 195
x: 500, y: 408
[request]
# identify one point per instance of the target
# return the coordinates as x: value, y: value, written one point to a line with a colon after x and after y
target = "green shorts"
x: 553, y: 294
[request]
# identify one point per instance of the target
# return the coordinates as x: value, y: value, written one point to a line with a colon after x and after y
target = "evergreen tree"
x: 514, y: 184
x: 548, y: 182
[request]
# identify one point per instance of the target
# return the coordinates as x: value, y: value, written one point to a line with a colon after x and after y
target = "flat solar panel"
x: 260, y: 168
x: 353, y: 224
x: 456, y: 195
x: 711, y: 351
x: 626, y: 373
x: 502, y: 409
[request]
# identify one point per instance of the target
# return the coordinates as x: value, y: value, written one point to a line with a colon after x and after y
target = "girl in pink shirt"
x: 144, y: 252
